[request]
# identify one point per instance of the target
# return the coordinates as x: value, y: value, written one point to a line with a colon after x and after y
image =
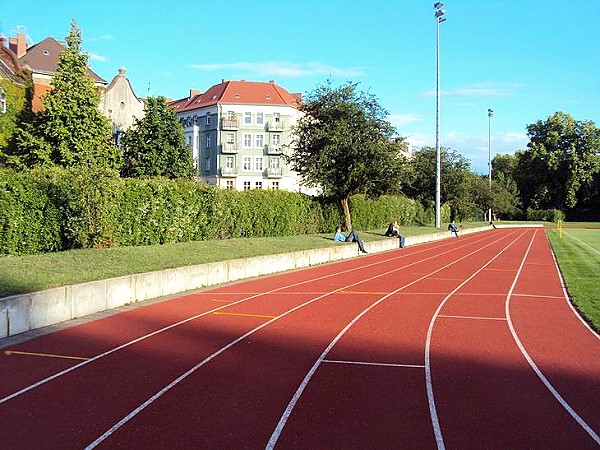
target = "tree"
x: 343, y: 145
x: 455, y: 183
x: 560, y: 163
x: 154, y: 146
x: 70, y: 131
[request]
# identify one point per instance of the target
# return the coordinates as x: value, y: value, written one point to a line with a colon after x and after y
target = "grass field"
x: 577, y: 249
x: 22, y: 274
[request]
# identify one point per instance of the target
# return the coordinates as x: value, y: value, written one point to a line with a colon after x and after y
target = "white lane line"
x: 291, y: 405
x: 189, y: 319
x: 366, y: 363
x: 534, y: 366
x: 471, y: 317
x: 428, y: 380
x: 182, y: 377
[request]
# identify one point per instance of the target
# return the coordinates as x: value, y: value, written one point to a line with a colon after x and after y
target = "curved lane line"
x: 189, y: 319
x: 288, y: 411
x: 533, y: 365
x: 428, y: 380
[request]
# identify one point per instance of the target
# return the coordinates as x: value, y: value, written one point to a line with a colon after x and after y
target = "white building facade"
x: 239, y: 133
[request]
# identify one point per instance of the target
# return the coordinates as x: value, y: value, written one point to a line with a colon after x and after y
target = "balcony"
x: 228, y: 147
x: 230, y: 124
x: 275, y: 149
x: 229, y: 172
x: 272, y: 172
x: 275, y: 125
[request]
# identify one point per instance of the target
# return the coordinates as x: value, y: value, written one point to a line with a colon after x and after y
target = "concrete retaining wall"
x: 20, y: 313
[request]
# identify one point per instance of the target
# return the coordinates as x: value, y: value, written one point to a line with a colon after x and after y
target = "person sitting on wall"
x: 452, y: 228
x: 393, y: 230
x: 352, y: 237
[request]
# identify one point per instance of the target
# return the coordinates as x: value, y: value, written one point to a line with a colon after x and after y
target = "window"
x: 275, y: 185
x: 230, y: 115
x: 258, y: 185
x: 248, y: 140
x: 229, y: 162
x: 207, y: 164
x: 260, y: 119
x: 258, y: 164
x: 247, y: 163
x: 274, y: 163
x: 247, y: 118
x: 246, y: 185
x: 229, y: 184
x: 207, y: 119
x: 259, y: 140
x: 208, y: 141
x: 230, y: 138
x: 276, y: 139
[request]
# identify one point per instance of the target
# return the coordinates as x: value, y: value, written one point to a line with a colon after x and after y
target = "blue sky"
x: 524, y: 59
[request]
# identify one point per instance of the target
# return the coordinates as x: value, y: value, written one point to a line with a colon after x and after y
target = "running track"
x: 458, y: 344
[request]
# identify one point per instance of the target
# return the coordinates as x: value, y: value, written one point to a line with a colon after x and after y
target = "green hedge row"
x: 53, y: 209
x: 548, y: 215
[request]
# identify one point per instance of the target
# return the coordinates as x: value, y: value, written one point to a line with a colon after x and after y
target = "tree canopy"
x: 154, y: 146
x: 343, y: 145
x: 559, y: 166
x: 70, y: 130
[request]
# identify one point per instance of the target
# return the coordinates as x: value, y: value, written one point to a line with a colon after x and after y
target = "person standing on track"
x: 393, y: 230
x: 352, y: 237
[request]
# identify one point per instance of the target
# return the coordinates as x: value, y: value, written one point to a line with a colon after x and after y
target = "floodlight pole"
x: 439, y: 18
x: 490, y: 114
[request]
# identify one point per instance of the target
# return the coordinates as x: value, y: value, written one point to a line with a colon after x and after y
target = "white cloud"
x: 280, y: 69
x: 488, y: 89
x: 399, y: 120
x: 95, y: 57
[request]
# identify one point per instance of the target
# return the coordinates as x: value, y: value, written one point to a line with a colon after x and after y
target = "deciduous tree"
x: 343, y: 145
x: 154, y: 146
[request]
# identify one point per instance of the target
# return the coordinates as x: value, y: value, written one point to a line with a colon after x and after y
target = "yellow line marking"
x: 45, y: 355
x: 243, y: 315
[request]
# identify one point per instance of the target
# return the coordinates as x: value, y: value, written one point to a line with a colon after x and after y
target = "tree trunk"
x: 346, y: 209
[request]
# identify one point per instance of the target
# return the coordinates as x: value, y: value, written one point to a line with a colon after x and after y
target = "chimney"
x: 2, y: 41
x: 194, y: 92
x: 18, y: 44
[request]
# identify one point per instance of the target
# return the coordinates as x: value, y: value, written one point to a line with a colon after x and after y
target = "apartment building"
x: 239, y: 133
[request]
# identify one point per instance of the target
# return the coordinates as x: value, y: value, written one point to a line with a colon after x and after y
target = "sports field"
x: 465, y: 343
x: 577, y: 247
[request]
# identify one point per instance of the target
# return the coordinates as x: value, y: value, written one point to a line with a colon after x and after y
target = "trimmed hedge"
x: 547, y: 215
x: 53, y: 209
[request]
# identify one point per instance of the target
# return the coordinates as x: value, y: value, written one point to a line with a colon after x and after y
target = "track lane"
x: 104, y: 383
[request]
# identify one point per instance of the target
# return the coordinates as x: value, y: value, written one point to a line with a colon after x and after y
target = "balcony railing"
x: 228, y: 147
x: 273, y: 125
x: 272, y: 172
x: 229, y: 172
x: 275, y: 149
x: 230, y: 124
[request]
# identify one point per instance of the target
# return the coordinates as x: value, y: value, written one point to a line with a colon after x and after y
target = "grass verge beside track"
x: 578, y: 254
x: 23, y: 274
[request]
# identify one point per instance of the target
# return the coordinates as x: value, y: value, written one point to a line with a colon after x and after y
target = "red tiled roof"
x: 239, y: 92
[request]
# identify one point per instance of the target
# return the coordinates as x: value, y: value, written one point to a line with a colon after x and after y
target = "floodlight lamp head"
x: 490, y: 112
x: 438, y: 5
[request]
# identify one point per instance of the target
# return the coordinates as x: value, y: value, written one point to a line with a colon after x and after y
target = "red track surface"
x: 466, y: 343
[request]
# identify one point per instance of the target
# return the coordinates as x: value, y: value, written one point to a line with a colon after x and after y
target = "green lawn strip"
x: 23, y: 274
x: 578, y: 254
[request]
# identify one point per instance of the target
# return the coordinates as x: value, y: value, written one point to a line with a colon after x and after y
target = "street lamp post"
x: 490, y: 114
x: 439, y: 18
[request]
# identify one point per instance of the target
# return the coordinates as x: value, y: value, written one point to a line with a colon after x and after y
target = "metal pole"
x: 490, y: 114
x: 439, y: 13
